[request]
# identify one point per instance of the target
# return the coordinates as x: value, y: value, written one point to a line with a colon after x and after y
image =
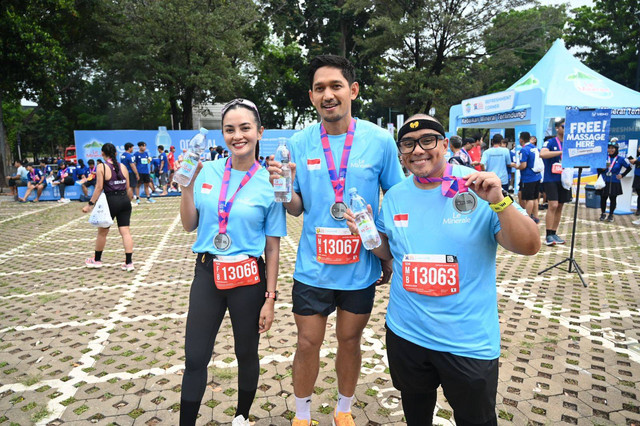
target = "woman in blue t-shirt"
x: 231, y: 203
x: 612, y: 176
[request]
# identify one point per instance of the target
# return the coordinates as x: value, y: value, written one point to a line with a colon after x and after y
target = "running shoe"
x: 558, y: 239
x: 137, y: 201
x: 151, y: 200
x: 343, y: 419
x: 127, y: 267
x: 550, y: 241
x: 603, y: 217
x: 610, y: 218
x: 535, y: 219
x: 300, y: 422
x: 92, y: 263
x: 65, y: 200
x: 636, y: 222
x: 240, y: 421
x: 159, y: 190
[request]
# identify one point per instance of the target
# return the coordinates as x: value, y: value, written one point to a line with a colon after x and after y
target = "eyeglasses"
x: 240, y: 101
x: 408, y: 145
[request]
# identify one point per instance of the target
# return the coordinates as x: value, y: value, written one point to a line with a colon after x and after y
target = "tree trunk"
x: 173, y: 102
x: 4, y: 152
x: 187, y: 109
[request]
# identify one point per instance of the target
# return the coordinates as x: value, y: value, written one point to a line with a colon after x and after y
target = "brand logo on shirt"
x: 206, y: 188
x: 456, y: 219
x: 359, y: 164
x: 313, y: 164
x: 401, y: 220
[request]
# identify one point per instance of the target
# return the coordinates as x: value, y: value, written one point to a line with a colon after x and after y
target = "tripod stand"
x: 570, y: 259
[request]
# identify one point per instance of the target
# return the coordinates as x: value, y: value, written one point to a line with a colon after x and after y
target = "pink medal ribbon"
x: 613, y: 163
x: 451, y: 185
x: 338, y: 179
x: 224, y: 207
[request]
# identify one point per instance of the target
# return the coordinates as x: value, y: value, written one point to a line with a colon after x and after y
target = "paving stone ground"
x: 81, y: 346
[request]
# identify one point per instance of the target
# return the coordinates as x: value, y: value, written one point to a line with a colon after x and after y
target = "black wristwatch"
x: 91, y: 203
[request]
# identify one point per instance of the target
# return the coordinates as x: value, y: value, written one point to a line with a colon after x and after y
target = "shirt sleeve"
x: 483, y: 159
x: 380, y: 219
x: 391, y: 169
x: 294, y: 159
x: 276, y: 222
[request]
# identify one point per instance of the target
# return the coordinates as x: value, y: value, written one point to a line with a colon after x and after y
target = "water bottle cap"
x: 162, y: 128
x: 203, y: 130
x: 353, y: 190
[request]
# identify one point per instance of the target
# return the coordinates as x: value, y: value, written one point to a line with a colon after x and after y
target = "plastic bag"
x: 600, y: 183
x: 101, y: 216
x: 567, y: 178
x: 538, y: 164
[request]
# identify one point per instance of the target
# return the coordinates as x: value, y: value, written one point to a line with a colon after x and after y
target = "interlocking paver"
x: 104, y: 346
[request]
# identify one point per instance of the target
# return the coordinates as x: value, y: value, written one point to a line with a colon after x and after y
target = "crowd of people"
x: 442, y: 327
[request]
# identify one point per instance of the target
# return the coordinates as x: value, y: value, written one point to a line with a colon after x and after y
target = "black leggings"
x: 612, y: 201
x: 63, y: 183
x: 207, y: 307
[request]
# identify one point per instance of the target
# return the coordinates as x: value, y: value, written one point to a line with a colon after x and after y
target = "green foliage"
x: 607, y: 35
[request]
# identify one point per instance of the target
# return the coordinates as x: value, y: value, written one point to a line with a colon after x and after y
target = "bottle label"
x: 280, y: 185
x: 187, y: 167
x: 366, y: 227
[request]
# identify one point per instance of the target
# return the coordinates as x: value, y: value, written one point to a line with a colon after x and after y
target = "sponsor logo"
x: 456, y: 219
x: 359, y: 164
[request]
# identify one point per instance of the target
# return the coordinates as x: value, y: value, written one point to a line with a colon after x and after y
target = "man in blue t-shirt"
x: 163, y: 170
x: 497, y: 160
x: 557, y: 195
x: 143, y: 172
x: 129, y: 161
x: 442, y: 227
x: 529, y: 178
x: 332, y: 269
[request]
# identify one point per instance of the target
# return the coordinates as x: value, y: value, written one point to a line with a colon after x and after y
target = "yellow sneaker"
x: 343, y: 419
x: 300, y: 422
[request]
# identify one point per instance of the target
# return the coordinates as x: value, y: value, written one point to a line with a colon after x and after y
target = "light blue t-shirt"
x: 373, y: 164
x: 254, y: 214
x: 466, y: 323
x: 497, y: 160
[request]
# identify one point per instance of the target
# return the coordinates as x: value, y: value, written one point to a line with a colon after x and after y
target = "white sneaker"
x: 158, y: 190
x: 65, y: 200
x: 240, y: 421
x: 636, y: 222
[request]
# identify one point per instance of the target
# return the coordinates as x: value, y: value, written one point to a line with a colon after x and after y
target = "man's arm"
x: 546, y: 153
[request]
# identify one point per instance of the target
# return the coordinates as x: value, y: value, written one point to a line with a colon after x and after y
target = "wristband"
x: 91, y: 203
x: 271, y: 295
x: 506, y: 202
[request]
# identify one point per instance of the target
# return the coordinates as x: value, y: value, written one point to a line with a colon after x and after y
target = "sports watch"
x: 271, y: 295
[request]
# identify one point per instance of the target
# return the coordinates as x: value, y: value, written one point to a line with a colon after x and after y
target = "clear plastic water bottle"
x: 190, y: 158
x: 366, y: 226
x: 282, y: 185
x: 163, y: 138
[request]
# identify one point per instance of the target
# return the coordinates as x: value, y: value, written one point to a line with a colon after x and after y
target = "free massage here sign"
x: 586, y: 135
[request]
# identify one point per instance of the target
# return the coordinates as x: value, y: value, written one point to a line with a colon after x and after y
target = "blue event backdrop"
x: 89, y: 142
x: 586, y: 135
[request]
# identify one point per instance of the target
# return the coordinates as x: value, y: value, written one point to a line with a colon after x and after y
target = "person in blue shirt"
x: 47, y: 171
x: 36, y: 180
x: 529, y: 178
x: 442, y: 317
x: 612, y: 175
x: 230, y: 272
x: 89, y: 179
x: 129, y: 161
x: 636, y: 181
x: 143, y: 172
x: 163, y: 170
x: 557, y: 195
x: 332, y: 270
x: 63, y: 178
x: 497, y: 160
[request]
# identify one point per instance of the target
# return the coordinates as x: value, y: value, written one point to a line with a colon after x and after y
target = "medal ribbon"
x: 224, y: 207
x: 338, y: 179
x: 613, y: 163
x: 451, y: 185
x: 33, y: 176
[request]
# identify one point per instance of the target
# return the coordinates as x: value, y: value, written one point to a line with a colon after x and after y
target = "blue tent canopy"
x: 558, y: 80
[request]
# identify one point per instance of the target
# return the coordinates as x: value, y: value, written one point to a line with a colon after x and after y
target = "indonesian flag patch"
x: 206, y: 188
x: 313, y: 164
x: 401, y: 220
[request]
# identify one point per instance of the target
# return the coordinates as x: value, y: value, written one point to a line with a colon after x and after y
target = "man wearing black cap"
x: 557, y: 195
x: 441, y: 228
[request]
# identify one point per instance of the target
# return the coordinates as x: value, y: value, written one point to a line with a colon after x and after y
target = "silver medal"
x: 338, y: 210
x: 222, y: 242
x: 465, y: 202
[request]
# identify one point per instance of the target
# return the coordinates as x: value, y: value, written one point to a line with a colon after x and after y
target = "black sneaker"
x: 603, y: 217
x: 610, y: 218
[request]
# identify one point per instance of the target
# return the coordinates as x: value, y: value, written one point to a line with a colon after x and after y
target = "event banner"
x: 89, y: 142
x: 586, y: 134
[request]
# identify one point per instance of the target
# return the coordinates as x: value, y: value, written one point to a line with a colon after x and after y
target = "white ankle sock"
x: 303, y: 408
x: 344, y: 403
